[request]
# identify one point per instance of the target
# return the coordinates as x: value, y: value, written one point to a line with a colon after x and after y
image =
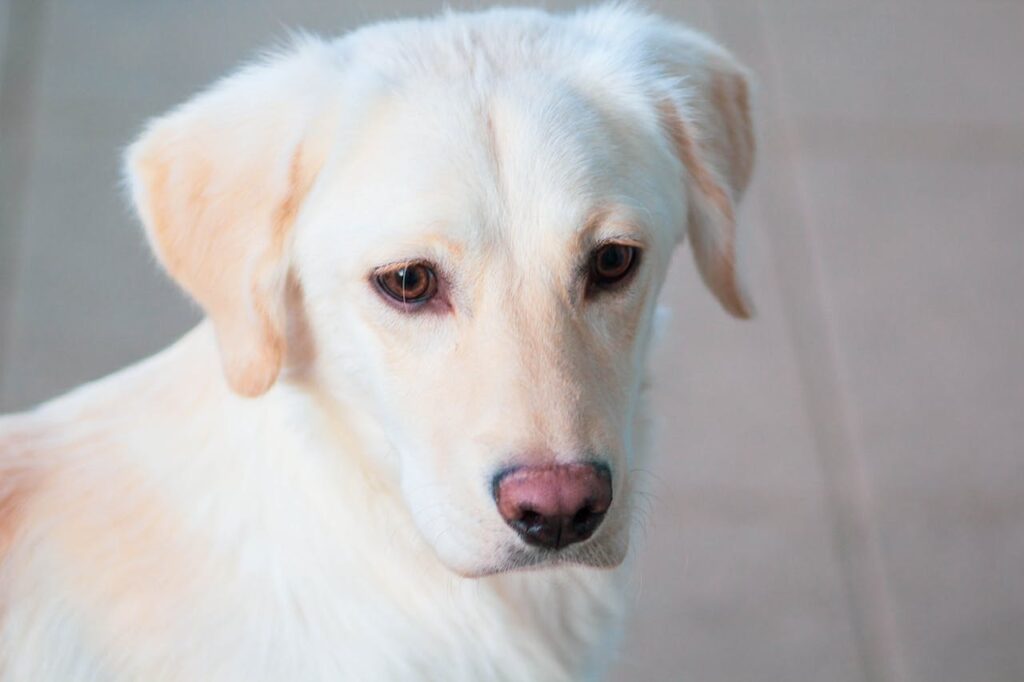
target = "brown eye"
x: 408, y: 283
x: 611, y: 263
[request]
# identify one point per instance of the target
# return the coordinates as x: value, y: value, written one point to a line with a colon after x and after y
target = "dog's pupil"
x: 410, y: 278
x: 412, y: 283
x: 613, y: 260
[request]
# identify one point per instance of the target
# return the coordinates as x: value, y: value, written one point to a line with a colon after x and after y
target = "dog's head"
x: 472, y: 217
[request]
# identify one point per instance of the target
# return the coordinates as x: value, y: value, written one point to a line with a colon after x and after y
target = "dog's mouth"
x: 599, y: 553
x: 594, y: 555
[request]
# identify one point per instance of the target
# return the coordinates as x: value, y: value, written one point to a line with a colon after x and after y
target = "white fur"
x: 158, y: 526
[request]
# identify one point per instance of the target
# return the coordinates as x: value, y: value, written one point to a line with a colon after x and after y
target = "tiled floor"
x: 839, y: 488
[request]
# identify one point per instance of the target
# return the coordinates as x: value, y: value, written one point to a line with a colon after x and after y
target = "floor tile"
x: 922, y: 264
x: 849, y: 491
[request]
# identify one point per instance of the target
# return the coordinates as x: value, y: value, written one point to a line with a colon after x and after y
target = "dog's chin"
x: 520, y: 557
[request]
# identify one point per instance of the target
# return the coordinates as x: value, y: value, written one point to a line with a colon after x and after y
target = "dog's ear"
x: 706, y: 114
x: 218, y: 183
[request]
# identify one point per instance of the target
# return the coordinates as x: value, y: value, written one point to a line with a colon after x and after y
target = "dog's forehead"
x: 525, y: 159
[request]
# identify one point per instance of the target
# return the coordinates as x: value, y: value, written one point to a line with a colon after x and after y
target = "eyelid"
x: 439, y: 265
x: 397, y: 264
x: 624, y: 240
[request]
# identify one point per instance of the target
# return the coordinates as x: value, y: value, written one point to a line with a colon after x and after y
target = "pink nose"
x: 556, y: 505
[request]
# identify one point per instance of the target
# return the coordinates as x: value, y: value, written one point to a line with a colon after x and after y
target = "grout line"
x: 18, y: 67
x: 806, y: 307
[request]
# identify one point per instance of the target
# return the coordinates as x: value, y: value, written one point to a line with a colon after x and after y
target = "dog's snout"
x: 556, y: 505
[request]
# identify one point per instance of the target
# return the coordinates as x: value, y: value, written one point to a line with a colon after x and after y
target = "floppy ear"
x: 217, y: 184
x: 707, y: 117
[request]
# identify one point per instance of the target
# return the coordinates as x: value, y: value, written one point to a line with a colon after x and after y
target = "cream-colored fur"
x: 299, y: 489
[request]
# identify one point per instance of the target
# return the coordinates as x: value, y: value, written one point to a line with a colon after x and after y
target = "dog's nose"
x: 556, y: 505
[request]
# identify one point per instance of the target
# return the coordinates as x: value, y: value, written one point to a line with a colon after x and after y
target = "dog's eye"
x: 408, y: 282
x: 611, y: 264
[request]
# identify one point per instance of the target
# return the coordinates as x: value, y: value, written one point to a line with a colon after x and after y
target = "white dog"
x: 429, y: 253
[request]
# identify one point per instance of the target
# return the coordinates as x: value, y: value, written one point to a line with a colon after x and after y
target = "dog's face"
x: 478, y: 244
x: 490, y: 268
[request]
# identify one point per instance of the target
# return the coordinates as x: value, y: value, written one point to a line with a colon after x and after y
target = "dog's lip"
x: 531, y: 559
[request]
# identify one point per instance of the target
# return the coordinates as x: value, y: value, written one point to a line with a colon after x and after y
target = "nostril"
x: 530, y: 518
x: 583, y: 516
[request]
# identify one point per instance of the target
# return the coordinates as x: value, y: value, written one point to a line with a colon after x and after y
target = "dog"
x: 399, y: 446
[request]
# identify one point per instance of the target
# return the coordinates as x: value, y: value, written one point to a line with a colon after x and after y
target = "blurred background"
x: 838, y: 487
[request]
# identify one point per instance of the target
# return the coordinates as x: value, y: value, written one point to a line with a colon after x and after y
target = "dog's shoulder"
x: 35, y: 448
x: 78, y: 444
x: 20, y: 472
